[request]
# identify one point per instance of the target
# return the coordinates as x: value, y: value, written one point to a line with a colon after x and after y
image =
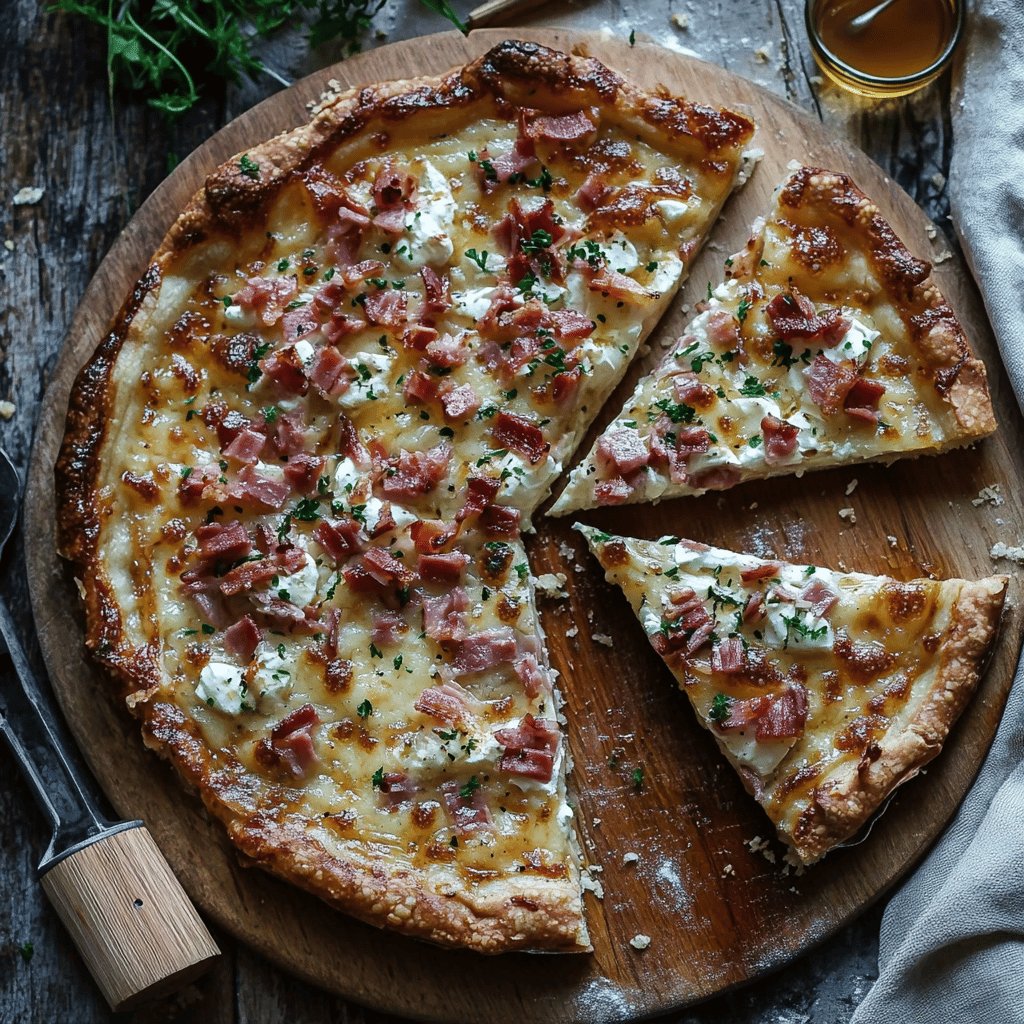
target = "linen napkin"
x: 952, y: 940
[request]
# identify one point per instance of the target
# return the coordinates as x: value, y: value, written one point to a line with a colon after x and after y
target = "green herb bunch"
x: 163, y: 48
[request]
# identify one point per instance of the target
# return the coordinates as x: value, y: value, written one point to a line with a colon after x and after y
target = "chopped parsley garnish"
x: 479, y: 258
x: 378, y: 778
x: 638, y: 779
x: 398, y: 661
x: 467, y: 791
x: 27, y: 951
x: 208, y: 629
x: 375, y: 652
x: 249, y: 167
x: 754, y: 441
x: 652, y: 266
x: 489, y: 172
x: 365, y: 709
x: 542, y: 181
x: 307, y: 510
x: 742, y: 309
x: 677, y: 412
x: 783, y: 354
x: 537, y: 242
x: 523, y: 569
x: 270, y: 413
x: 719, y: 710
x: 752, y: 388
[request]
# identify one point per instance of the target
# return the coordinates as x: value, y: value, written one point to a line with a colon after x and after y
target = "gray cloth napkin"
x: 952, y: 941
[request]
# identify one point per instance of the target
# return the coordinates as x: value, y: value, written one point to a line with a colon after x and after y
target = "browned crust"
x: 851, y: 795
x: 511, y: 73
x: 933, y: 326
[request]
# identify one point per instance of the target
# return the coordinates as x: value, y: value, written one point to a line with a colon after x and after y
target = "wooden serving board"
x: 717, y: 913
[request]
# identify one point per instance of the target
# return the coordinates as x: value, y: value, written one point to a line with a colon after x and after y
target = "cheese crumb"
x: 590, y: 884
x: 572, y: 632
x: 990, y: 494
x: 893, y: 542
x: 630, y: 858
x: 9, y: 244
x: 1015, y: 553
x: 7, y: 410
x: 552, y: 585
x: 851, y: 486
x: 761, y: 846
x: 763, y: 53
x: 640, y: 941
x: 680, y: 20
x: 28, y: 196
x: 728, y: 871
x: 848, y: 514
x: 602, y: 638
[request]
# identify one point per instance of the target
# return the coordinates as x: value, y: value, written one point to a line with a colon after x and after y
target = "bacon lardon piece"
x: 361, y: 271
x: 570, y: 325
x: 303, y: 472
x: 420, y: 387
x: 754, y: 609
x: 521, y: 225
x: 253, y: 488
x: 286, y: 369
x: 248, y: 575
x: 728, y: 656
x: 692, y: 391
x: 793, y: 317
x: 385, y: 520
x: 500, y: 521
x: 780, y: 438
x: 340, y: 325
x: 829, y: 383
x: 579, y: 126
x: 386, y: 308
x: 247, y: 446
x: 460, y: 403
x: 266, y: 297
x: 531, y: 675
x: 447, y: 567
x: 484, y: 650
x: 388, y: 626
x: 861, y: 400
x: 194, y: 487
x: 292, y: 740
x: 299, y: 323
x: 386, y: 569
x: 227, y: 422
x: 530, y: 748
x: 393, y: 187
x: 325, y: 190
x: 765, y: 571
x: 688, y: 624
x: 622, y: 451
x: 338, y: 537
x: 447, y: 351
x: 723, y: 330
x: 448, y: 703
x: 349, y: 443
x: 469, y: 814
x: 288, y: 433
x: 618, y: 286
x: 592, y: 192
x: 329, y: 372
x: 562, y: 386
x: 418, y: 336
x: 820, y: 597
x: 520, y: 435
x: 613, y: 492
x: 744, y: 712
x: 242, y: 638
x: 436, y: 297
x: 515, y: 161
x: 716, y: 478
x: 429, y: 535
x: 414, y: 474
x: 786, y: 716
x: 224, y: 542
x: 444, y: 616
x: 396, y: 789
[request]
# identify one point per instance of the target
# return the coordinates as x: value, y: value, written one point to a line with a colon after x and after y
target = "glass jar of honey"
x: 901, y: 49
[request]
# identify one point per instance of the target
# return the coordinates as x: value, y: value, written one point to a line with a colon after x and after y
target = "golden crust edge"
x: 857, y: 795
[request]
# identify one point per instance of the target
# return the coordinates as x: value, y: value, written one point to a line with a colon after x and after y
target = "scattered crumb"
x: 28, y: 196
x: 9, y: 244
x: 851, y: 486
x: 630, y: 858
x: 938, y: 179
x: 590, y: 884
x: 572, y: 632
x: 763, y: 53
x: 567, y: 551
x: 793, y: 862
x: 681, y: 21
x: 552, y: 585
x: 578, y: 568
x: 932, y: 231
x: 1014, y: 553
x: 602, y: 638
x: 942, y: 256
x: 7, y: 410
x: 640, y: 941
x: 763, y: 847
x: 893, y: 541
x: 597, y: 822
x: 753, y: 505
x: 80, y: 586
x: 848, y: 514
x: 728, y: 871
x: 817, y: 81
x: 990, y: 494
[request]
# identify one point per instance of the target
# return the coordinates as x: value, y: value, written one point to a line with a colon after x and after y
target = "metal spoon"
x: 857, y: 25
x: 126, y: 912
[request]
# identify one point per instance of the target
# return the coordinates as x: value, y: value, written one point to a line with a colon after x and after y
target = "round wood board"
x: 717, y: 913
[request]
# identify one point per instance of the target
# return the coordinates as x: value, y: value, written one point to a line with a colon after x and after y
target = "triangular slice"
x: 825, y: 690
x: 828, y: 344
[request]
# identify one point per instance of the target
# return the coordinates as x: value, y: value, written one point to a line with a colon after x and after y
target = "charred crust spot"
x: 425, y: 814
x: 613, y: 553
x: 815, y: 246
x: 864, y: 659
x: 235, y: 353
x: 713, y: 128
x: 860, y: 733
x: 144, y: 485
x: 808, y: 773
x: 520, y: 62
x: 187, y: 328
x: 905, y: 601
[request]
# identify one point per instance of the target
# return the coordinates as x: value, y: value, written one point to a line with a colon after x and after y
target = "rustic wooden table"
x: 58, y: 132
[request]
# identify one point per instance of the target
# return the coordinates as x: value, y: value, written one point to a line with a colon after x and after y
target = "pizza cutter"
x: 128, y: 915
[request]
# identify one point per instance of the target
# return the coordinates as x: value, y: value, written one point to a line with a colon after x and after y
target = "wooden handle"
x: 128, y: 915
x: 493, y: 11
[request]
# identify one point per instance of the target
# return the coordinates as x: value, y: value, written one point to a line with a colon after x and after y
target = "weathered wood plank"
x: 58, y: 132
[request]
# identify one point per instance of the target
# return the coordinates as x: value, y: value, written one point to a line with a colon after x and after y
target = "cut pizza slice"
x: 828, y: 344
x: 825, y: 690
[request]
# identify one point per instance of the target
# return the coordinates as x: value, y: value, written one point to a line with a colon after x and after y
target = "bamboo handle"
x: 128, y: 915
x: 493, y: 11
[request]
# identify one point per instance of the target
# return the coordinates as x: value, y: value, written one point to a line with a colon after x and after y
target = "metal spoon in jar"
x: 857, y: 25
